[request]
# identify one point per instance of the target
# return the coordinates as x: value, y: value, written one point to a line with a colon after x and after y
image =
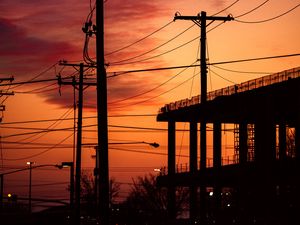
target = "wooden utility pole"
x: 102, y: 117
x: 201, y: 20
x: 5, y: 93
x: 80, y: 83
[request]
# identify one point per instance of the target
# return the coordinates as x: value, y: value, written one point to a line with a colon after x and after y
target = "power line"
x: 252, y: 10
x: 142, y: 54
x: 232, y: 4
x: 29, y: 82
x: 38, y: 90
x: 119, y: 73
x: 88, y: 117
x: 137, y: 95
x: 270, y: 19
x: 173, y: 49
x: 239, y: 71
x: 230, y: 81
x: 35, y: 77
x: 143, y: 101
x: 40, y: 153
x: 147, y: 36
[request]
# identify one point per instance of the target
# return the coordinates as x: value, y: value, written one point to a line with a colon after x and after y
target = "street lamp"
x: 71, y: 166
x: 30, y: 177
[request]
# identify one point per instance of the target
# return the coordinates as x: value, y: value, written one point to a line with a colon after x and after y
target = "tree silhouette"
x: 147, y: 202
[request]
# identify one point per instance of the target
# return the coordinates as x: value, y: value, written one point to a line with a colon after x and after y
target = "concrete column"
x: 203, y: 156
x: 193, y: 169
x: 171, y: 169
x: 217, y: 145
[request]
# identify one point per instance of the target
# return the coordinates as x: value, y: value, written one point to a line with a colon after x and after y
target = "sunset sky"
x: 35, y: 35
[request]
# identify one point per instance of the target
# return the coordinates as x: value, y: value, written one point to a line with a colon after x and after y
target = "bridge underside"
x: 262, y: 189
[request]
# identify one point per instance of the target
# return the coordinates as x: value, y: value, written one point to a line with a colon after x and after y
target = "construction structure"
x: 261, y: 185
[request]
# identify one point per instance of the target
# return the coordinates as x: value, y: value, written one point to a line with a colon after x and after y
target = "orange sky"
x: 36, y: 35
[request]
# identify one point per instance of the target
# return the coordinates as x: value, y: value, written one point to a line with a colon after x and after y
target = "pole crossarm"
x: 197, y: 19
x: 11, y: 79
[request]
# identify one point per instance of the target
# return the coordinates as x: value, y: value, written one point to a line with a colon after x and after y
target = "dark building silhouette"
x: 262, y: 184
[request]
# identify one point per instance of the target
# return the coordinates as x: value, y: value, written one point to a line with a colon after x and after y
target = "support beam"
x: 193, y: 169
x: 171, y: 169
x: 217, y: 146
x: 193, y: 147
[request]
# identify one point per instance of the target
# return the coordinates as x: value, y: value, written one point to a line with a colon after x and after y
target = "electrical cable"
x: 119, y: 73
x: 230, y: 81
x: 270, y: 19
x: 160, y: 85
x: 147, y: 36
x: 35, y: 77
x: 40, y: 153
x: 87, y: 117
x: 232, y: 4
x: 239, y: 71
x: 171, y: 50
x: 252, y: 10
x: 121, y: 62
x: 36, y: 90
x: 146, y: 100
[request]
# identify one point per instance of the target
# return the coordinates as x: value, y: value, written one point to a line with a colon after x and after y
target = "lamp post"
x: 30, y: 178
x: 71, y: 166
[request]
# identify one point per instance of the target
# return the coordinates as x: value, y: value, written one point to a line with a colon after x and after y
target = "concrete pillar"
x: 193, y: 169
x: 171, y: 169
x: 217, y: 145
x: 203, y: 156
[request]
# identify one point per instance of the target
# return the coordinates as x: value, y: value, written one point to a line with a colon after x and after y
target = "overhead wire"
x: 252, y: 10
x: 269, y: 19
x: 232, y: 4
x: 85, y: 117
x: 122, y: 62
x: 239, y: 71
x: 35, y: 77
x: 224, y: 78
x: 37, y: 90
x: 156, y: 96
x: 40, y: 153
x: 139, y: 40
x: 152, y: 89
x: 119, y: 73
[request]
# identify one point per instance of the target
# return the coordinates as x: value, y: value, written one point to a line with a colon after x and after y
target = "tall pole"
x: 102, y: 117
x: 200, y: 20
x: 30, y: 184
x: 1, y: 190
x: 72, y: 186
x: 78, y: 149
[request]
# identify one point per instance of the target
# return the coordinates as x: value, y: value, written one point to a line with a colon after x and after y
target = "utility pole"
x: 5, y: 93
x: 1, y: 191
x: 80, y: 83
x: 102, y: 117
x: 201, y: 20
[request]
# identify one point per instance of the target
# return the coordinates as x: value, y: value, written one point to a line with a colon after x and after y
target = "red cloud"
x: 21, y: 51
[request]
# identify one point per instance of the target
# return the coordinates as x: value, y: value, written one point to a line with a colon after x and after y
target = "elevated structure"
x: 260, y: 187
